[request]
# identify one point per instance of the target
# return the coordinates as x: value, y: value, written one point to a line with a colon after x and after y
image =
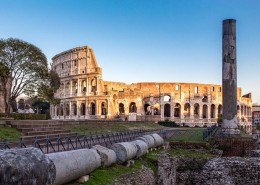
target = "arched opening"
x: 121, y: 108
x: 205, y: 99
x: 213, y: 111
x: 58, y: 110
x: 167, y: 98
x: 196, y: 110
x: 93, y: 85
x: 147, y: 109
x: 92, y: 108
x: 67, y: 88
x: 219, y: 110
x: 132, y: 107
x: 75, y: 87
x: 167, y: 110
x: 74, y: 107
x: 177, y: 110
x: 83, y: 86
x: 187, y: 110
x: 61, y: 110
x: 204, y: 111
x: 67, y: 110
x: 103, y: 108
x: 157, y: 109
x: 83, y: 109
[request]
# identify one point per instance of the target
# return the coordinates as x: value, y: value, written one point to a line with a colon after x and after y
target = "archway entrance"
x: 205, y: 111
x: 147, y: 109
x: 92, y: 108
x: 132, y: 107
x: 177, y: 110
x: 121, y: 108
x: 167, y: 110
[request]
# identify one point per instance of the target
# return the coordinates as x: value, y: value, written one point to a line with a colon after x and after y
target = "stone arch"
x: 74, y: 109
x: 61, y: 109
x: 213, y: 111
x: 187, y: 110
x: 75, y: 86
x: 204, y: 111
x: 121, y: 108
x: 196, y: 110
x: 83, y: 86
x: 132, y: 107
x: 83, y: 109
x: 57, y: 110
x: 220, y: 108
x: 92, y: 108
x: 177, y: 110
x: 167, y: 110
x: 147, y: 109
x: 103, y: 108
x: 167, y: 98
x: 93, y: 85
x: 205, y: 99
x: 67, y: 108
x: 157, y: 109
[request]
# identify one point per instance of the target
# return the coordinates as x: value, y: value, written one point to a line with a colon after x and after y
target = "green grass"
x: 8, y: 133
x: 105, y: 176
x: 188, y: 135
x: 92, y: 127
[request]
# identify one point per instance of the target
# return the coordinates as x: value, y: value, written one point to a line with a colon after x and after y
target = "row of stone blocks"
x: 30, y: 166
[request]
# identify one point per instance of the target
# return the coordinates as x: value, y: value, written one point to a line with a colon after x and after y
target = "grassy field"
x: 111, y: 127
x: 188, y: 135
x: 104, y: 176
x: 8, y: 133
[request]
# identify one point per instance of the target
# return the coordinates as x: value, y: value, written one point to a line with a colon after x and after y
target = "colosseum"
x: 85, y: 95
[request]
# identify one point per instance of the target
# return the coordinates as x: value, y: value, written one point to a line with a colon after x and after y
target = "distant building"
x: 256, y: 113
x: 85, y: 95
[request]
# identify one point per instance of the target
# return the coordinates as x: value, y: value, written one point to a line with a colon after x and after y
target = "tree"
x: 22, y: 66
x: 46, y: 89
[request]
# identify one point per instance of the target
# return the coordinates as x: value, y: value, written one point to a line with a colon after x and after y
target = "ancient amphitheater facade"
x: 85, y: 95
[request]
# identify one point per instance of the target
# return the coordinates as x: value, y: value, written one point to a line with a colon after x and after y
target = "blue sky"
x: 143, y: 40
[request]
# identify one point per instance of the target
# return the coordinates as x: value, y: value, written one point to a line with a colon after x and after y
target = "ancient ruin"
x: 85, y: 95
x: 229, y: 78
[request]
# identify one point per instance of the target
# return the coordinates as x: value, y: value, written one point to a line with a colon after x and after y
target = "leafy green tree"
x: 25, y: 71
x: 41, y: 106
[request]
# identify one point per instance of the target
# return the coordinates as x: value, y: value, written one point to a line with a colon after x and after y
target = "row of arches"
x: 187, y: 110
x: 74, y: 110
x: 83, y: 86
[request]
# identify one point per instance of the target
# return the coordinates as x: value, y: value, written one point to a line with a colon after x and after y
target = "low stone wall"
x: 235, y: 146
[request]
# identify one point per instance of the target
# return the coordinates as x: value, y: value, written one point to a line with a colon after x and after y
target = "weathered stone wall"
x: 231, y: 171
x: 235, y: 146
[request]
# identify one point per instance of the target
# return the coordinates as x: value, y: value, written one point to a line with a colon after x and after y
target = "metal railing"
x: 208, y: 131
x: 76, y: 141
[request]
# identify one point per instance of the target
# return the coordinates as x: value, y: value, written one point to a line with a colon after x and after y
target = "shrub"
x: 18, y: 116
x: 168, y: 124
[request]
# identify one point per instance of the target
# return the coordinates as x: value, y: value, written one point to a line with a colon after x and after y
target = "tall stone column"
x: 229, y: 78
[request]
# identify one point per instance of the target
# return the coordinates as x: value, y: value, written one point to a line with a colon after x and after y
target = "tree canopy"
x: 24, y: 69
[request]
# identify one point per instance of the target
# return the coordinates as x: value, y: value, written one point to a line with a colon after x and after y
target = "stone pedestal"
x: 229, y: 78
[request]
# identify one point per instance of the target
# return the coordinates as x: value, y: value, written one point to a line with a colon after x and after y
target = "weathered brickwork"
x: 85, y: 95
